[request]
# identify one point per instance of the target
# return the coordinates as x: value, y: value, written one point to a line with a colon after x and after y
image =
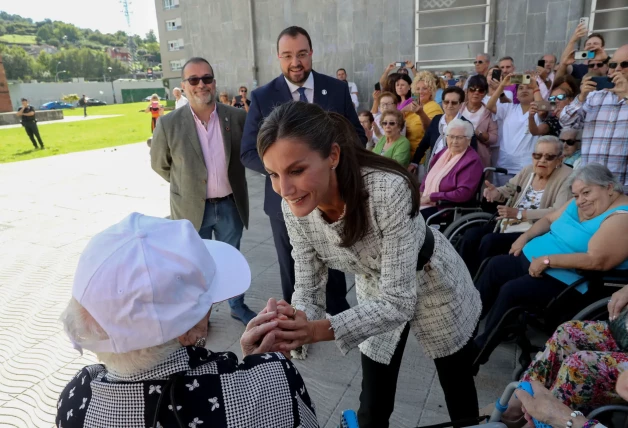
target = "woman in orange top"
x: 420, y: 112
x: 155, y: 109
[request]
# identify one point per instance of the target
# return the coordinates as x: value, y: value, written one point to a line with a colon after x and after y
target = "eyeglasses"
x: 569, y: 142
x: 457, y: 137
x: 596, y: 65
x: 478, y: 62
x: 449, y: 102
x: 386, y: 104
x: 547, y: 156
x: 476, y: 89
x: 207, y: 79
x: 623, y: 64
x: 559, y: 97
x: 385, y: 123
x: 300, y: 56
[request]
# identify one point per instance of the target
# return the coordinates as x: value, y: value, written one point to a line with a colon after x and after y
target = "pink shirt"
x: 212, y: 145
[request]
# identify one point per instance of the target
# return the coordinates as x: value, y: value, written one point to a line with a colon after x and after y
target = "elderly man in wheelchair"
x: 556, y: 260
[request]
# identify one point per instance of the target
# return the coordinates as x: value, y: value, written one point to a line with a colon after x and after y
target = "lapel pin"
x: 226, y: 119
x: 324, y: 91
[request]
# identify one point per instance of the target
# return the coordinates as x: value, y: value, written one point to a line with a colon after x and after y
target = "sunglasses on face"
x: 559, y: 97
x: 478, y: 62
x: 385, y: 123
x: 596, y: 65
x: 623, y: 64
x: 452, y: 103
x: 547, y: 156
x: 475, y: 89
x: 569, y: 142
x: 243, y: 90
x: 207, y: 79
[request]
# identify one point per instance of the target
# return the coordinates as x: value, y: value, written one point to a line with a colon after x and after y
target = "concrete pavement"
x: 66, y: 119
x: 50, y: 207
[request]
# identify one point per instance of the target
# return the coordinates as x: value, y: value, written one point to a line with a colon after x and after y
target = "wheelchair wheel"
x: 456, y: 230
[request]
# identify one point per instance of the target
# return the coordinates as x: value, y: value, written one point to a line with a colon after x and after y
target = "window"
x: 175, y: 45
x: 609, y: 18
x: 177, y: 65
x: 171, y: 4
x: 173, y: 24
x: 450, y: 33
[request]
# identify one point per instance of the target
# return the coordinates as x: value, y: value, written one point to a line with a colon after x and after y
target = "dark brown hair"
x: 319, y: 129
x: 454, y: 90
x: 569, y: 80
x: 390, y: 82
x: 293, y: 32
x: 368, y: 114
x: 392, y: 95
x: 599, y: 36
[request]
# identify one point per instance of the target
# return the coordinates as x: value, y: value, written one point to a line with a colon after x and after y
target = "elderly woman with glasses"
x: 422, y: 109
x: 385, y: 101
x: 392, y: 144
x: 455, y: 172
x: 572, y: 140
x: 545, y: 260
x: 475, y: 111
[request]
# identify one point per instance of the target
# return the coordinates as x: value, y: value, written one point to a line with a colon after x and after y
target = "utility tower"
x: 130, y: 43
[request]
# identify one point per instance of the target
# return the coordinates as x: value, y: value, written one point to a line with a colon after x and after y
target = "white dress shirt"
x: 309, y: 89
x: 181, y: 102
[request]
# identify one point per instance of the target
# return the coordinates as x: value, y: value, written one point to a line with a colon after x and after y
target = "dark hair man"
x: 27, y: 114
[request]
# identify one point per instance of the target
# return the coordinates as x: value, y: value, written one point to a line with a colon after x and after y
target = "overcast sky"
x: 103, y: 15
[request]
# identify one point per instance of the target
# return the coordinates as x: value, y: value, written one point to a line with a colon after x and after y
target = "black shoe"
x: 42, y: 147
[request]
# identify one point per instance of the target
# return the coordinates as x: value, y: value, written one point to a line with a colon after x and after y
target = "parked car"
x: 55, y: 105
x: 95, y: 102
x: 147, y: 99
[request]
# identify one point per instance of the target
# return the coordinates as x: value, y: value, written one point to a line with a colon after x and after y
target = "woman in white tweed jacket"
x: 349, y: 209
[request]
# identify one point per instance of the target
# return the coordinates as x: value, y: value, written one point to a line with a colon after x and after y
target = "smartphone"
x: 452, y: 82
x: 415, y: 97
x: 544, y: 105
x: 497, y: 74
x: 378, y: 87
x: 541, y: 63
x: 520, y: 79
x: 603, y: 82
x: 400, y: 64
x: 584, y: 20
x: 580, y: 55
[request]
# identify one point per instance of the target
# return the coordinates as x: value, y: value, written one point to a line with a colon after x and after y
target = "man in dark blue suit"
x: 299, y: 83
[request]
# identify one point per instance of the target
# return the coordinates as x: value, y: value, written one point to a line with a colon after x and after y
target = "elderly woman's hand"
x: 546, y: 408
x: 506, y: 212
x: 518, y: 245
x: 426, y: 200
x: 490, y: 192
x: 617, y: 302
x: 537, y: 267
x: 259, y: 336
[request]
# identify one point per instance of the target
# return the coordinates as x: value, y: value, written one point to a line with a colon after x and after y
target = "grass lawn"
x: 19, y: 39
x: 61, y: 138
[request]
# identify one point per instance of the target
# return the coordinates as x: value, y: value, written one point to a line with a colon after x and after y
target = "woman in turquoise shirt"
x: 393, y: 145
x: 588, y: 233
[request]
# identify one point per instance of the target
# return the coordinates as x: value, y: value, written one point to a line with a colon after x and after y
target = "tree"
x: 45, y: 33
x: 150, y: 37
x: 17, y: 63
x: 154, y: 50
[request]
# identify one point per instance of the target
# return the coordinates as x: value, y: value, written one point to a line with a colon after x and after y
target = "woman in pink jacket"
x: 476, y: 112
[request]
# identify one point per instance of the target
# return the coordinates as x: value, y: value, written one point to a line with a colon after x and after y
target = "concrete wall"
x: 40, y: 93
x: 362, y: 36
x: 41, y: 116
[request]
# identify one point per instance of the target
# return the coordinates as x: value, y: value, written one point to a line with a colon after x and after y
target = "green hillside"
x: 18, y: 39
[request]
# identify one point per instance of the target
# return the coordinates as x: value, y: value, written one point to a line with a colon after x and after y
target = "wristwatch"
x: 519, y: 214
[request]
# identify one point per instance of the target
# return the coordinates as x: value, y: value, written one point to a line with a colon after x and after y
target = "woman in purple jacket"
x: 455, y: 172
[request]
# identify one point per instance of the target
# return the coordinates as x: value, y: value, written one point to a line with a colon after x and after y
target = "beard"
x: 306, y: 74
x: 205, y: 98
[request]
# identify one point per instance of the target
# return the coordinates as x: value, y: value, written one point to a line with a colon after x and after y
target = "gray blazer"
x: 177, y: 156
x: 442, y: 305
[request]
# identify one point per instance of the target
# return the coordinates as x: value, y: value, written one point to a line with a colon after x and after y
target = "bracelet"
x: 591, y: 423
x: 536, y: 90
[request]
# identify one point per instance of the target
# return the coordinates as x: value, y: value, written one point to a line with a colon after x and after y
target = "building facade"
x: 238, y: 37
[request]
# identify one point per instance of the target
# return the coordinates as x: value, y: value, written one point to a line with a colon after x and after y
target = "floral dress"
x: 580, y: 365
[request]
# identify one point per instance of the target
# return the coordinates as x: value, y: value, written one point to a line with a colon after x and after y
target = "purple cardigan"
x: 462, y: 181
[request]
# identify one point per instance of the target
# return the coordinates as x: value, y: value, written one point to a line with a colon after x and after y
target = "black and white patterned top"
x: 441, y: 303
x: 210, y: 390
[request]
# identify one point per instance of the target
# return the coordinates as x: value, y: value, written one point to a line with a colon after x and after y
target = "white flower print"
x: 215, y: 403
x: 59, y: 403
x: 266, y: 356
x: 71, y: 394
x: 70, y: 413
x: 154, y: 388
x: 302, y: 390
x: 170, y: 407
x: 193, y: 385
x: 83, y: 380
x: 288, y: 365
x: 82, y: 406
x: 159, y: 425
x: 195, y: 422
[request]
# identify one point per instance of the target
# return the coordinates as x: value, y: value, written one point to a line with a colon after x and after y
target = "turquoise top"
x: 569, y: 235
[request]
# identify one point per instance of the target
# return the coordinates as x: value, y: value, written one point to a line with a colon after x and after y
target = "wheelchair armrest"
x: 495, y: 169
x: 585, y: 314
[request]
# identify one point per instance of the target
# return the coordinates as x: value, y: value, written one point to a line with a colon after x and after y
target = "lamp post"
x: 112, y: 89
x: 57, y: 75
x: 57, y: 70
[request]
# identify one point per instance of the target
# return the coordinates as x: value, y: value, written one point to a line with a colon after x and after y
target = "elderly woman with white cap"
x: 141, y: 300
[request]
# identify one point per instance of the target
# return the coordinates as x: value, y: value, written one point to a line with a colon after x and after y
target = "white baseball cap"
x: 148, y: 280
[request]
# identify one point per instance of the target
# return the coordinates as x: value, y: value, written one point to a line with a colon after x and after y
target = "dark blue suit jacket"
x: 329, y: 93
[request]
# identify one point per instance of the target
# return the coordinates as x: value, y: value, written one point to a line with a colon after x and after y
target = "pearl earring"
x: 333, y: 167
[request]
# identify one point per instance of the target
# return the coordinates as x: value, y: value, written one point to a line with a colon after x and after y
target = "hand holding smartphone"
x: 602, y: 82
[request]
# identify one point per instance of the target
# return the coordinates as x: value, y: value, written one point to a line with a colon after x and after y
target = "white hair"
x: 82, y: 327
x: 176, y: 89
x: 550, y: 139
x: 459, y: 123
x: 595, y: 174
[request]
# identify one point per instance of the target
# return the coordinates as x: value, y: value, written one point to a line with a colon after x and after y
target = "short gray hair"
x: 595, y: 174
x: 176, y: 89
x: 577, y: 131
x: 550, y: 139
x: 459, y: 123
x: 485, y: 55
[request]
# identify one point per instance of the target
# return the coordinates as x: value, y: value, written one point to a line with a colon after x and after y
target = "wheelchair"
x: 455, y: 218
x: 514, y: 324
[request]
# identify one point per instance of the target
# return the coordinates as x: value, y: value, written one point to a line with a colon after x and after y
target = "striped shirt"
x: 605, y: 133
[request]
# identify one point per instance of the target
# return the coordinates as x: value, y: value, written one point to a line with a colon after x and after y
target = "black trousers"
x: 33, y: 132
x: 85, y: 110
x: 505, y: 284
x: 379, y: 384
x: 480, y: 243
x: 336, y: 295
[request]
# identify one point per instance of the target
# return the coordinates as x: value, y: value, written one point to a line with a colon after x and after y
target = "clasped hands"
x: 277, y: 328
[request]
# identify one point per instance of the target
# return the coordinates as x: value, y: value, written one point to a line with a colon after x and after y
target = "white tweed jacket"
x: 442, y: 304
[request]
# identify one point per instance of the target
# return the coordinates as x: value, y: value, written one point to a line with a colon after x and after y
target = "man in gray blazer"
x: 196, y: 149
